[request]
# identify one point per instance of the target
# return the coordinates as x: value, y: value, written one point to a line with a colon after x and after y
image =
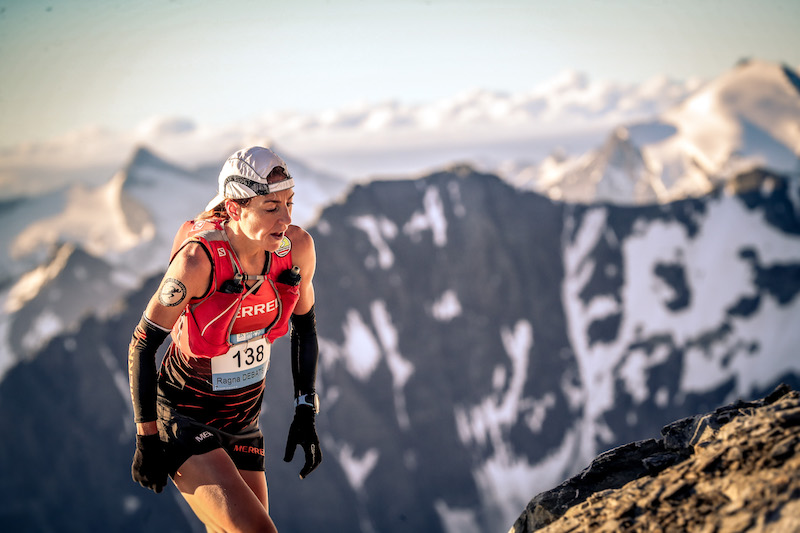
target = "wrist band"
x: 312, y: 400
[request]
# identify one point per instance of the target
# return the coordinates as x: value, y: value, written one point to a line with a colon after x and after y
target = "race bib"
x: 244, y: 364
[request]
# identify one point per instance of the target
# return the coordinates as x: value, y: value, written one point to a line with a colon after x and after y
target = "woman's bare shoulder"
x: 192, y: 265
x: 303, y: 252
x: 300, y: 238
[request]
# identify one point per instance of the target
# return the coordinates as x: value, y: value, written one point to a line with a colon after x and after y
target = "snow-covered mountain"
x: 122, y: 228
x: 479, y: 344
x: 748, y: 118
x: 142, y: 205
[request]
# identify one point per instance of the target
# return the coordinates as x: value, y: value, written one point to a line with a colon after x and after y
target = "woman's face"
x: 266, y: 218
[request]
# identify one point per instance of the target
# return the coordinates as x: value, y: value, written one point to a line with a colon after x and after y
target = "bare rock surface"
x: 733, y: 470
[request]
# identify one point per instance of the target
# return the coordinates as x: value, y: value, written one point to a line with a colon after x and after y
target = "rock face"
x: 478, y: 345
x: 734, y: 469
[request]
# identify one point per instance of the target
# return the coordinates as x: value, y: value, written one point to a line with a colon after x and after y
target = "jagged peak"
x: 141, y: 154
x: 29, y: 285
x: 750, y: 78
x: 747, y: 116
x: 461, y: 169
x: 144, y: 156
x: 792, y: 76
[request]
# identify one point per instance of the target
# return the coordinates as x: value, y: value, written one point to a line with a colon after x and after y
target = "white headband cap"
x: 245, y: 175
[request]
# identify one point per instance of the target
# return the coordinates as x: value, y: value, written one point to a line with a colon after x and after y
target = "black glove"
x: 149, y: 467
x: 304, y: 432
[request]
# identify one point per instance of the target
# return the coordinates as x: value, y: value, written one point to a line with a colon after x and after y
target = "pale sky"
x: 75, y: 64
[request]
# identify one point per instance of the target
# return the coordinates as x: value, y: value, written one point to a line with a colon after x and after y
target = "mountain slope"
x: 478, y: 344
x: 141, y: 207
x: 745, y: 119
x: 59, y: 295
x: 16, y: 216
x: 566, y: 325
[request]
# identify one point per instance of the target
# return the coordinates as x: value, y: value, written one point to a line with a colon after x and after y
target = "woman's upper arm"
x: 304, y: 256
x: 188, y: 276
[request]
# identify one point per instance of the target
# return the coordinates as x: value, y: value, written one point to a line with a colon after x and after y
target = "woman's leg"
x: 222, y: 497
x: 257, y: 481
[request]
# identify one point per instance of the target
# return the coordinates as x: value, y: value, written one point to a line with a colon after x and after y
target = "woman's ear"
x: 234, y: 209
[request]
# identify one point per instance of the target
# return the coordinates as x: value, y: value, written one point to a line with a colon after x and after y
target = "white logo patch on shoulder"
x: 284, y: 248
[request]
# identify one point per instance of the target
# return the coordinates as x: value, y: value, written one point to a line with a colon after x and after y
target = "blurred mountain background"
x: 487, y: 324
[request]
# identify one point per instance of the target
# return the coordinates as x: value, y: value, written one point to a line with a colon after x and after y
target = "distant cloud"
x: 165, y: 126
x: 568, y: 102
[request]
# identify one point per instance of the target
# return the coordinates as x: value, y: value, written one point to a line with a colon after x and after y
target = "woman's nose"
x: 286, y: 216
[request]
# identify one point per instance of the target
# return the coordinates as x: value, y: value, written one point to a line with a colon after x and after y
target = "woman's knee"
x: 256, y: 522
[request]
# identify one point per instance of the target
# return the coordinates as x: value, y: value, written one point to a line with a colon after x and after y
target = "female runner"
x: 238, y: 273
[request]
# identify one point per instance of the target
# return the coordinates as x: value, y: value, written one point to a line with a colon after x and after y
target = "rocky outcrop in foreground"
x: 733, y: 470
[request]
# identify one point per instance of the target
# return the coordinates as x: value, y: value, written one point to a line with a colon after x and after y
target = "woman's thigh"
x: 219, y: 495
x: 257, y: 482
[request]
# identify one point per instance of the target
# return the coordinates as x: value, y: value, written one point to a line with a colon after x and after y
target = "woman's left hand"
x: 303, y: 431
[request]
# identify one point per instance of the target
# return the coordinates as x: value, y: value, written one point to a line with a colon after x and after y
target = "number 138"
x: 250, y: 356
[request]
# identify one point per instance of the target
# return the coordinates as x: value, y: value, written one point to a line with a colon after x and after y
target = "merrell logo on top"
x: 257, y: 309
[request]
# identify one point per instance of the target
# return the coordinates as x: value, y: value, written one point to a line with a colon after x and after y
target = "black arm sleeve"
x: 142, y: 374
x: 305, y: 352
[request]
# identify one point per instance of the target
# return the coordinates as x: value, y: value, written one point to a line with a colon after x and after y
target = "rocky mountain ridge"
x: 736, y: 469
x: 478, y: 344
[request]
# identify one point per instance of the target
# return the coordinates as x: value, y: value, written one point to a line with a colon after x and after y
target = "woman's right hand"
x: 149, y: 467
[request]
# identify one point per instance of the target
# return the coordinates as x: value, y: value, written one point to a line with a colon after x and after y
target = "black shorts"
x: 184, y: 437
